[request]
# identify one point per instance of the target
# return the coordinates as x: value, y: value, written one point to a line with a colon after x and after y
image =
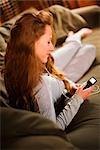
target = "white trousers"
x: 74, y: 58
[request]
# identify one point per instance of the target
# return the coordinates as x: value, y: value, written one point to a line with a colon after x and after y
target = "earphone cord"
x: 96, y: 90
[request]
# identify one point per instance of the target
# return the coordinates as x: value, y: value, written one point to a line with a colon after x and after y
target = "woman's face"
x: 44, y: 46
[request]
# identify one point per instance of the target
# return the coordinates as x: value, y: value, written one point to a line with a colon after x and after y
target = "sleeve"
x: 69, y: 111
x: 52, y: 88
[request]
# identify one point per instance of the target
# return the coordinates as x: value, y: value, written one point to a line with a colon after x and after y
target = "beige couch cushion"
x: 65, y: 20
x: 94, y: 39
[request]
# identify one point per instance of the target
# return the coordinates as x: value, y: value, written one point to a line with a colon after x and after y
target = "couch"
x: 22, y: 129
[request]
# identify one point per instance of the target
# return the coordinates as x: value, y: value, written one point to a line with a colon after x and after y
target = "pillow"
x: 65, y: 21
x: 4, y: 37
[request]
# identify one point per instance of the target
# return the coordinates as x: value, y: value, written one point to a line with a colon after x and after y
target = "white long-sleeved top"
x: 50, y: 89
x: 74, y: 59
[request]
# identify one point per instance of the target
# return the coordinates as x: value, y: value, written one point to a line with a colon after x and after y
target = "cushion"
x: 86, y: 123
x: 94, y: 39
x: 27, y: 130
x: 65, y: 20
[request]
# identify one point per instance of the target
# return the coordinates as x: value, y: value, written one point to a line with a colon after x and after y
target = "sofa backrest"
x: 9, y: 8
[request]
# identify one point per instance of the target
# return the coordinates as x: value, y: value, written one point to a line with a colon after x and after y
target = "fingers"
x: 83, y: 85
x: 90, y: 89
x: 80, y: 88
x: 84, y: 93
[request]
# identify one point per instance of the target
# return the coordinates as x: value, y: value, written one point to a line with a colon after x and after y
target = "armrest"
x: 90, y: 13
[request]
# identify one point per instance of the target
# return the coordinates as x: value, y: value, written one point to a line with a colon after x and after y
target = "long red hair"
x: 22, y: 67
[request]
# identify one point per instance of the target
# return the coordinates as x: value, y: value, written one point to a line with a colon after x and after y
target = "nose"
x: 51, y: 47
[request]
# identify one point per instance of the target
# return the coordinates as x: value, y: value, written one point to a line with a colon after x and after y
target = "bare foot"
x: 70, y: 33
x: 84, y: 32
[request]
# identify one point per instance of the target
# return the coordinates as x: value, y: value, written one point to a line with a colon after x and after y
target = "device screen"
x: 90, y: 82
x: 93, y: 80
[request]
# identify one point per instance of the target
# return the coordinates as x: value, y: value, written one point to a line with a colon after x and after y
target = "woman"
x: 31, y: 79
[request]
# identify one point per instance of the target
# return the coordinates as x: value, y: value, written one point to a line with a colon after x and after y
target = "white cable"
x: 96, y: 90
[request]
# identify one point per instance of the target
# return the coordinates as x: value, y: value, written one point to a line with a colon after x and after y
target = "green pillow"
x: 65, y: 20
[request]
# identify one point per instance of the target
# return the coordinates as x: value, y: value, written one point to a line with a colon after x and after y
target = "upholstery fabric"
x: 41, y: 4
x: 65, y: 20
x: 10, y: 8
x: 27, y: 130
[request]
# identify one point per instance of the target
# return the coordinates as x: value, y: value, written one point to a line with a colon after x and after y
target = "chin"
x: 45, y: 60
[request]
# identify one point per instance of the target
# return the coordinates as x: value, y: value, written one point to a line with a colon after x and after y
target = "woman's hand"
x: 84, y: 93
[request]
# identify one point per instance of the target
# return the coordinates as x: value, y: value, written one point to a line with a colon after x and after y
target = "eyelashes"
x: 49, y: 42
